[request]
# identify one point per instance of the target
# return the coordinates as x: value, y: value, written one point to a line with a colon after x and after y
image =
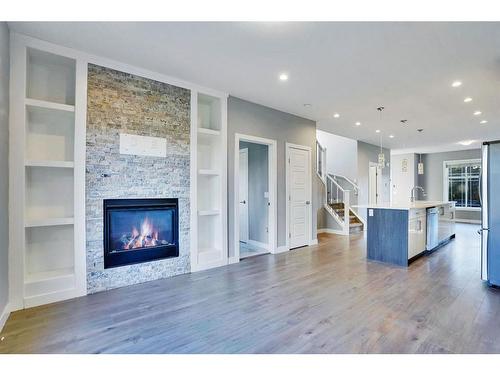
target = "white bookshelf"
x: 48, y: 100
x: 209, y: 163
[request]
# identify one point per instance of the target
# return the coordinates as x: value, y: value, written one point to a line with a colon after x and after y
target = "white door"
x: 373, y: 184
x: 299, y: 196
x: 243, y: 195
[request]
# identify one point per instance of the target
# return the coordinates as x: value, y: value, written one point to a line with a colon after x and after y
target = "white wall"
x: 341, y: 154
x: 403, y: 173
x: 4, y: 167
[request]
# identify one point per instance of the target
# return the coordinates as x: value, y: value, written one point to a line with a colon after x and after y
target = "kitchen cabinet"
x: 446, y: 222
x: 416, y: 232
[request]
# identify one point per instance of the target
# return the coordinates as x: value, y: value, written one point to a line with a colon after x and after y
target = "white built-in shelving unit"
x: 47, y: 159
x: 209, y: 164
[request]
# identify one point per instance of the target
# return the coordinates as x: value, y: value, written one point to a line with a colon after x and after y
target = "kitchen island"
x: 398, y: 233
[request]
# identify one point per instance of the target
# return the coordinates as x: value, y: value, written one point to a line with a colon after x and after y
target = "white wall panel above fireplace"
x: 131, y: 144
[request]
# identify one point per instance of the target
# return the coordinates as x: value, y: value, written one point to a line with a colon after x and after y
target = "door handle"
x: 307, y: 202
x: 244, y: 202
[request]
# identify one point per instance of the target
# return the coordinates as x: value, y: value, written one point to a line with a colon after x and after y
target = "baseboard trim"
x: 262, y: 245
x: 5, y: 315
x: 313, y: 242
x: 281, y: 249
x: 331, y: 231
x: 233, y: 260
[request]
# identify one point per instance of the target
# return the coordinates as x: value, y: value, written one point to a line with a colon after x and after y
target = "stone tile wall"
x: 123, y: 103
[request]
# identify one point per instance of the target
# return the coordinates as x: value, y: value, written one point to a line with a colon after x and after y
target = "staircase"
x: 341, y: 193
x: 355, y: 224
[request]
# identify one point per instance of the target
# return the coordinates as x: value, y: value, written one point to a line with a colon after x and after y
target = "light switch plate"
x: 370, y: 212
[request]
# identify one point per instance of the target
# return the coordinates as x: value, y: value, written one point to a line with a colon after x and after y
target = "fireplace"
x: 140, y: 230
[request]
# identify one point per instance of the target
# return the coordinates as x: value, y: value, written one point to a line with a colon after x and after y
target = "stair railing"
x: 349, y: 184
x: 335, y: 193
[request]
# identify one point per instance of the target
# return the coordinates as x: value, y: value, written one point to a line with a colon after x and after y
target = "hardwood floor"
x: 321, y: 299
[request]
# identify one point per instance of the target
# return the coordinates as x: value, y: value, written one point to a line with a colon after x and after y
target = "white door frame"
x: 287, y: 179
x: 243, y: 151
x: 378, y: 182
x: 272, y: 160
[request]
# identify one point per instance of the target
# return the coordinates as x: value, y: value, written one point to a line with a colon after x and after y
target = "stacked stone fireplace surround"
x: 117, y: 103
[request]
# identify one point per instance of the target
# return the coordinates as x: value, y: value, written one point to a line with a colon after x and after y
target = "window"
x: 320, y: 161
x: 462, y: 183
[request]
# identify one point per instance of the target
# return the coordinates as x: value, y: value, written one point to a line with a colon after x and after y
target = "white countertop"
x: 403, y: 205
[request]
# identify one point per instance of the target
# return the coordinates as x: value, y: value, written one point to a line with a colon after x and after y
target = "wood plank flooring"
x: 320, y: 299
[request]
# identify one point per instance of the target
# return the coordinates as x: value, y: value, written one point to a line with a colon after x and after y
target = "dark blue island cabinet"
x: 400, y: 233
x: 387, y: 237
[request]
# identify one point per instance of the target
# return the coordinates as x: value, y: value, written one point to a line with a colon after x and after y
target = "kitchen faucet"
x: 412, y: 198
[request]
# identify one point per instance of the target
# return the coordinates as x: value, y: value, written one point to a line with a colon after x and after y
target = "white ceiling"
x: 349, y: 68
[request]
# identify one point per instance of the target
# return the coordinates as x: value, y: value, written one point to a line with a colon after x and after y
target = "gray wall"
x: 258, y: 182
x: 4, y: 166
x: 432, y: 180
x: 369, y: 153
x: 252, y: 119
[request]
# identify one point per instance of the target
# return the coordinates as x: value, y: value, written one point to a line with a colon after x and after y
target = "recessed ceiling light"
x: 467, y: 142
x: 336, y: 115
x: 477, y: 113
x: 283, y: 77
x: 358, y: 123
x: 468, y: 99
x: 377, y: 131
x: 456, y: 84
x: 483, y: 122
x: 391, y: 136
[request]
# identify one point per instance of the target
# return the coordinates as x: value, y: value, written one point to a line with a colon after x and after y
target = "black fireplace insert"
x: 140, y: 230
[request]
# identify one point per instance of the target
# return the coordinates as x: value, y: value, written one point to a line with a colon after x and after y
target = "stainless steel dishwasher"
x: 432, y: 228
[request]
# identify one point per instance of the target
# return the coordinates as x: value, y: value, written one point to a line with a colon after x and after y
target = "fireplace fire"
x: 139, y: 230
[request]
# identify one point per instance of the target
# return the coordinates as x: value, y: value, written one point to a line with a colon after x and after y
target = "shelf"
x: 49, y: 163
x: 43, y: 285
x: 49, y: 105
x: 49, y: 193
x: 48, y: 275
x: 208, y: 172
x: 208, y: 213
x: 50, y: 77
x: 207, y: 131
x: 209, y: 112
x: 49, y: 222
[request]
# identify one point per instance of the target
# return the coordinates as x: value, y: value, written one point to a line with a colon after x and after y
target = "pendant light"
x: 420, y: 165
x: 381, y: 155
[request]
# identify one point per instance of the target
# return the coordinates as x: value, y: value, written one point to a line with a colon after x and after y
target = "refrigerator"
x: 490, y: 213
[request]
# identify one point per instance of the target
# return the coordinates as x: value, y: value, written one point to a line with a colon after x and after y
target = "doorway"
x: 255, y: 196
x: 374, y: 180
x: 299, y: 194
